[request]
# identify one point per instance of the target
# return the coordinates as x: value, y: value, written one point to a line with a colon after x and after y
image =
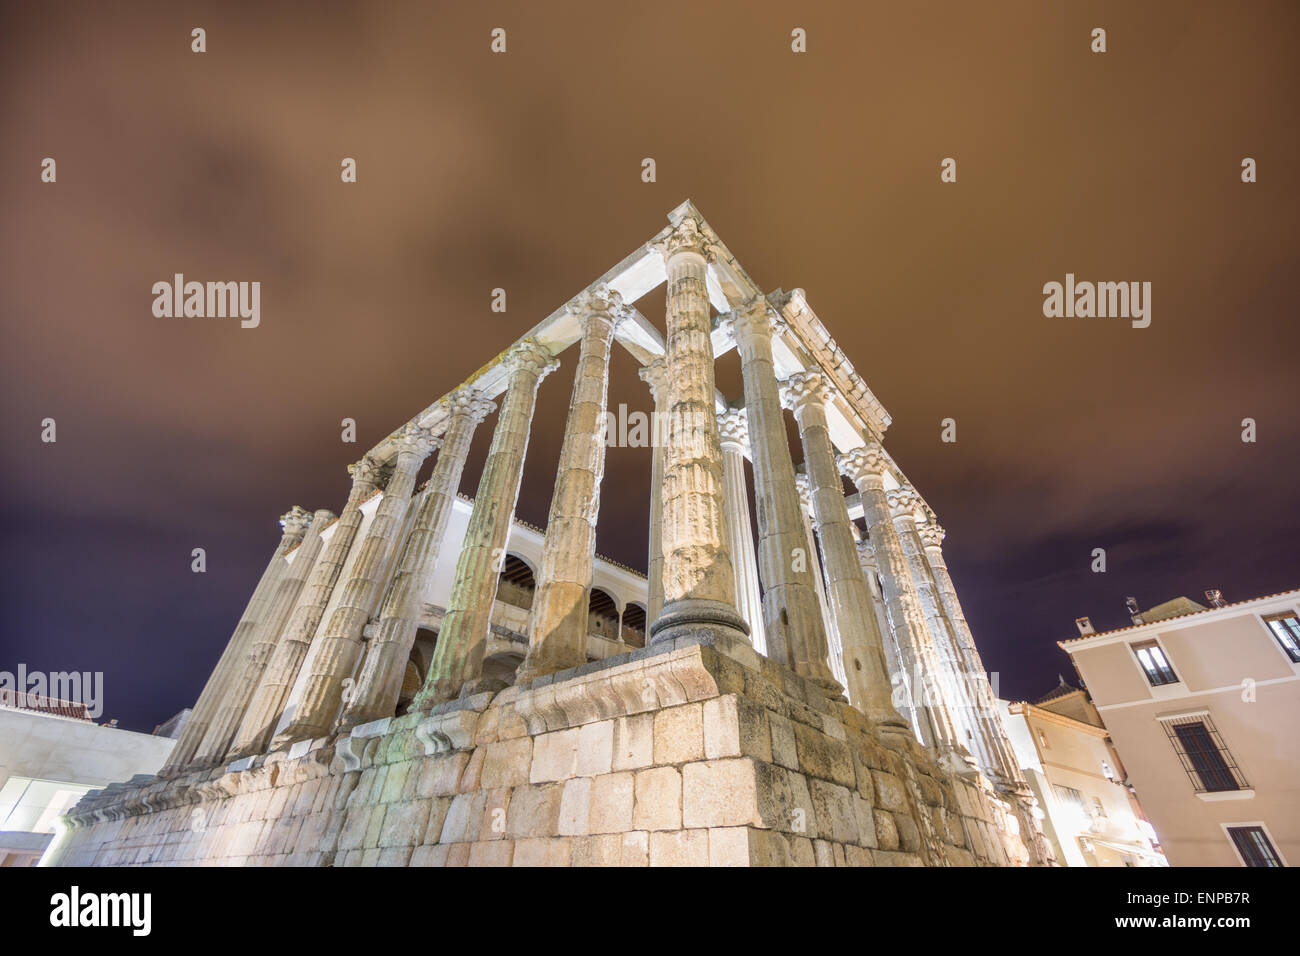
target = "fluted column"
x: 994, y: 745
x: 699, y: 581
x: 951, y: 682
x: 557, y: 634
x: 281, y: 672
x: 462, y: 639
x: 898, y: 677
x: 380, y: 682
x: 655, y: 375
x: 792, y: 619
x: 214, y: 691
x: 734, y: 433
x: 835, y: 650
x: 807, y: 393
x: 865, y: 467
x: 322, y: 696
x: 221, y: 735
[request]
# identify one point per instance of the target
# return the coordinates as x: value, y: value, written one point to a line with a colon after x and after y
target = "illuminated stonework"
x: 806, y: 693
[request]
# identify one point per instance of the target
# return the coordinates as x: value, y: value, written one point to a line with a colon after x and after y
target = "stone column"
x: 835, y: 650
x: 902, y: 696
x: 380, y: 682
x: 656, y: 376
x: 322, y: 697
x: 557, y: 633
x: 994, y: 744
x: 734, y: 433
x: 462, y: 639
x: 699, y: 582
x: 221, y: 734
x: 866, y: 467
x: 792, y: 619
x: 208, y: 705
x: 951, y: 684
x: 807, y: 394
x: 281, y: 672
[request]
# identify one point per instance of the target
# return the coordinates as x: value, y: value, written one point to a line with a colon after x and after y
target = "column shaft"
x: 656, y: 376
x: 462, y: 639
x: 865, y: 466
x: 221, y: 734
x: 380, y: 682
x: 749, y: 601
x: 792, y: 619
x: 699, y: 581
x: 846, y: 589
x: 322, y: 698
x: 281, y: 672
x: 558, y: 627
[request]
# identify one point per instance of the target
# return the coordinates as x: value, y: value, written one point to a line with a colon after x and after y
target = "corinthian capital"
x: 689, y: 235
x: 600, y: 302
x: 733, y: 427
x: 365, y: 474
x: 468, y: 403
x: 902, y: 502
x: 860, y: 464
x: 295, y: 521
x: 931, y: 533
x: 804, y: 389
x: 530, y: 357
x: 415, y: 440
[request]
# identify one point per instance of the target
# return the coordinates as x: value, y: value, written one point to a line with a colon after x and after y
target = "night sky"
x: 523, y: 171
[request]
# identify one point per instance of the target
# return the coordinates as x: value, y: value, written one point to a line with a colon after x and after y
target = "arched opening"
x: 602, y: 614
x: 633, y: 632
x: 417, y: 666
x: 517, y: 584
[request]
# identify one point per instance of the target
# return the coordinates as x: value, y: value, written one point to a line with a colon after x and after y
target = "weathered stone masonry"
x: 806, y: 694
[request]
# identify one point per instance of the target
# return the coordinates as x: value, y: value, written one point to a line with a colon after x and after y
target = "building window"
x: 1209, y: 764
x: 1286, y: 628
x: 1253, y: 845
x: 1154, y: 663
x: 1098, y: 811
x: 1042, y: 739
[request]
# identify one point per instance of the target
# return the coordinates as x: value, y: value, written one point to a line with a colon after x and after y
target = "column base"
x: 693, y: 617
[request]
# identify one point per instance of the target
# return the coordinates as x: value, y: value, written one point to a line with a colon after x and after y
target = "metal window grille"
x: 1209, y: 764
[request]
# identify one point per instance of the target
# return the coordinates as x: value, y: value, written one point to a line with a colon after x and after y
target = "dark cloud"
x: 522, y: 172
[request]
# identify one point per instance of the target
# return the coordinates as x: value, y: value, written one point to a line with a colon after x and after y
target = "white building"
x: 1090, y: 815
x: 49, y: 760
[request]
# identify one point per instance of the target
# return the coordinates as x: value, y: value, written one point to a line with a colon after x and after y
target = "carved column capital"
x: 415, y: 440
x: 688, y: 236
x: 366, y: 474
x: 863, y: 463
x: 804, y: 390
x: 902, y: 502
x: 602, y: 304
x: 529, y: 355
x: 469, y: 403
x: 932, y: 534
x: 867, y: 554
x: 295, y: 521
x: 733, y: 428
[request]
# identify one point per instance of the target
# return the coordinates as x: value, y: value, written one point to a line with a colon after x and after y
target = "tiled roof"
x: 1177, y: 617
